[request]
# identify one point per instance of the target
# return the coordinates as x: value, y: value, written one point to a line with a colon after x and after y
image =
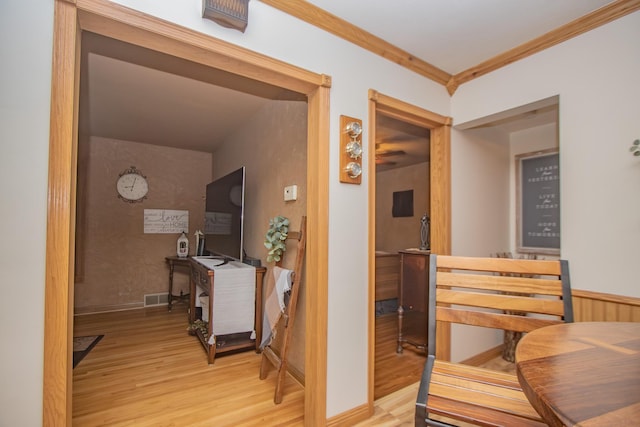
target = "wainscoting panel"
x: 591, y: 306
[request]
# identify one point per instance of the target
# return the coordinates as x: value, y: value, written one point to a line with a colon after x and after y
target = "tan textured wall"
x: 273, y: 148
x: 393, y: 234
x: 118, y: 262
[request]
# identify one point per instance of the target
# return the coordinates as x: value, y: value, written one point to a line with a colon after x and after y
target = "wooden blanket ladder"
x: 270, y: 355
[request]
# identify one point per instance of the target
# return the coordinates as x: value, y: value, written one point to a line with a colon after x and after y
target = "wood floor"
x: 394, y: 371
x: 147, y: 371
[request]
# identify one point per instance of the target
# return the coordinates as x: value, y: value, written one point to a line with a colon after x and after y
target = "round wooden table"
x: 584, y: 373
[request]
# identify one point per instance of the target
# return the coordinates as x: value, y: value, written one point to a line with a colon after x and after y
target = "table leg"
x: 170, y: 299
x: 400, y: 338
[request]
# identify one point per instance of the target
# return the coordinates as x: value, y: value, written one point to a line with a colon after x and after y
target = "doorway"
x: 123, y: 24
x: 418, y: 140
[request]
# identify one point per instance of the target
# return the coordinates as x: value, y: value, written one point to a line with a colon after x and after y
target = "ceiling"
x: 455, y: 35
x: 129, y: 93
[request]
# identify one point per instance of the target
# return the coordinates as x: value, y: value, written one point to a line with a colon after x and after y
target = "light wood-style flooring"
x: 394, y: 371
x: 147, y: 371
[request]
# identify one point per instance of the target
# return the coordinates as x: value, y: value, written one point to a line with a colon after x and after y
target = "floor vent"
x: 156, y: 299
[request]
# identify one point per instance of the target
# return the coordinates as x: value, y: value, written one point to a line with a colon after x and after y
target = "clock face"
x: 132, y: 186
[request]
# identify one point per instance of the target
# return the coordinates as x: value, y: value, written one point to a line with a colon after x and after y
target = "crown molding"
x: 604, y: 15
x: 320, y: 18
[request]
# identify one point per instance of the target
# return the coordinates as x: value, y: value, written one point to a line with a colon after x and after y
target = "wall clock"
x: 132, y: 185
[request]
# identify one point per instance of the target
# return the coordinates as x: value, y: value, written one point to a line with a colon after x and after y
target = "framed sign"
x: 165, y: 221
x: 538, y: 202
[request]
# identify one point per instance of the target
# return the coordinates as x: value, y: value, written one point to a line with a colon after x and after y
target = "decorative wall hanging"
x: 538, y: 202
x: 350, y: 150
x: 402, y: 203
x: 228, y: 13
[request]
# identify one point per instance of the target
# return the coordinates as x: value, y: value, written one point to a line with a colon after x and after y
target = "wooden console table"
x: 413, y: 299
x: 174, y: 261
x: 203, y: 277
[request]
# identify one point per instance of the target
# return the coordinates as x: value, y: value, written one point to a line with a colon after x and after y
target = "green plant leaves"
x: 275, y: 237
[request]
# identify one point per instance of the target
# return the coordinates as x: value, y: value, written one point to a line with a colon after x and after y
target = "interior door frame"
x: 71, y: 17
x: 440, y: 198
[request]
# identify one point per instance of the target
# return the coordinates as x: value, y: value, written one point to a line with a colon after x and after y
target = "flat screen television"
x: 224, y: 216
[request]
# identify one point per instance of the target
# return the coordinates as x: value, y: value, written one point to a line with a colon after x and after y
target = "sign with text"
x: 538, y: 202
x: 159, y: 221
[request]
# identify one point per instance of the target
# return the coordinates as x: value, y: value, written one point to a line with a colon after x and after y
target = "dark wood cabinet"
x: 413, y: 299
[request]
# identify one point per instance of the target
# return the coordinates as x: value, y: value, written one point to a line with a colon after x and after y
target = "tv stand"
x: 203, y: 277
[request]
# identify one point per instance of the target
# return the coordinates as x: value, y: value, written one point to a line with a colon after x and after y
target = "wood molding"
x: 604, y: 297
x: 317, y: 258
x: 371, y: 253
x: 484, y: 357
x: 58, y: 310
x: 440, y: 198
x: 109, y: 19
x: 599, y: 17
x: 320, y: 18
x: 94, y: 309
x: 406, y: 112
x: 589, y: 306
x: 131, y: 26
x: 349, y: 418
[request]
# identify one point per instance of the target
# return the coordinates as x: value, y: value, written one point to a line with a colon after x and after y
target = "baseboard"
x: 297, y: 374
x: 92, y: 309
x: 484, y: 357
x: 351, y: 417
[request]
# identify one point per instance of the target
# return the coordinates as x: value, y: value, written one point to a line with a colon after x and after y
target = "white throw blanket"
x: 234, y: 301
x: 278, y: 284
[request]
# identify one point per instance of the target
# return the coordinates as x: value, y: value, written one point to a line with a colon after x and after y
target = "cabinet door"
x: 414, y: 297
x: 415, y: 271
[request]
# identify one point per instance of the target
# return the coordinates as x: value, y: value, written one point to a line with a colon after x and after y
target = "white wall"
x: 480, y: 213
x: 596, y: 76
x: 597, y: 80
x: 353, y: 72
x: 25, y: 87
x: 480, y: 206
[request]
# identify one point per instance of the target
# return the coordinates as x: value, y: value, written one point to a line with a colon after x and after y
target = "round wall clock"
x: 132, y: 185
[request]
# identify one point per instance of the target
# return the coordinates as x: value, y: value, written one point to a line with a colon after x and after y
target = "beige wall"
x: 393, y: 234
x: 273, y: 148
x: 118, y: 262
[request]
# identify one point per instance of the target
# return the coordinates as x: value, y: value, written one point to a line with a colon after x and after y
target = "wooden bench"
x: 486, y: 292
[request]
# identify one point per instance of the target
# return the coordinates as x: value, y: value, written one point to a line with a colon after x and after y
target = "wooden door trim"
x: 115, y: 21
x: 440, y: 197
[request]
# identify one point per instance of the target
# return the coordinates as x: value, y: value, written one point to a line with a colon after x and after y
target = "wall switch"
x: 290, y: 193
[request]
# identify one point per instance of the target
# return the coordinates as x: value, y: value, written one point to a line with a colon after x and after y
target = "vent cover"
x: 156, y: 299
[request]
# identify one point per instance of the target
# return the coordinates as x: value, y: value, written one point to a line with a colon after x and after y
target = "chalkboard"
x: 538, y: 202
